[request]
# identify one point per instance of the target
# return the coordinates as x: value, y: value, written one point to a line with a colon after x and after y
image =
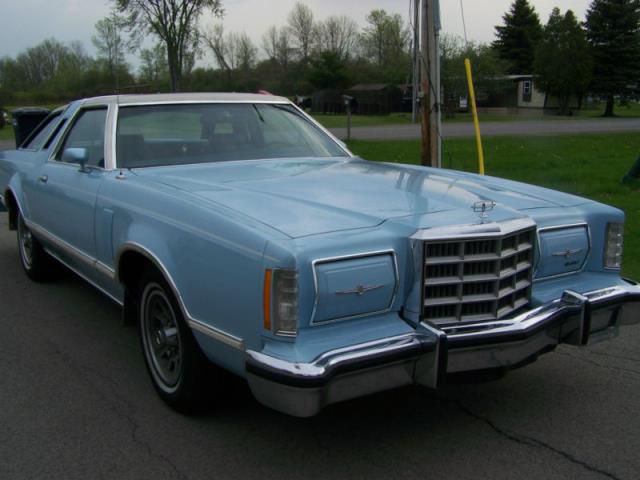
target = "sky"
x: 25, y: 23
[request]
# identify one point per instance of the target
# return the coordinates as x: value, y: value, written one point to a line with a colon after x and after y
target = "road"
x: 522, y: 127
x: 75, y: 403
x: 461, y: 130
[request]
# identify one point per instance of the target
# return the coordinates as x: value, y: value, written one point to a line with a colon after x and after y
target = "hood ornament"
x: 483, y: 208
x: 359, y: 290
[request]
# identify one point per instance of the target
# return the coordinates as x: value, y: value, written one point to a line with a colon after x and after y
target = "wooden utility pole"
x: 415, y: 86
x: 430, y: 83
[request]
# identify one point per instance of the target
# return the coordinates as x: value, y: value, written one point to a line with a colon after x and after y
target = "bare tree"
x: 222, y: 47
x: 338, y: 35
x: 110, y: 45
x: 247, y: 52
x: 277, y: 45
x: 301, y: 26
x: 233, y: 51
x: 175, y: 22
x: 153, y: 64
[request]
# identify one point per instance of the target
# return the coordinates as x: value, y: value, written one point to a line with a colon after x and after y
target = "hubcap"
x: 26, y: 243
x: 161, y: 337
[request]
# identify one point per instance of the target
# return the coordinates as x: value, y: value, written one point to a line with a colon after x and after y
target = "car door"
x: 64, y: 193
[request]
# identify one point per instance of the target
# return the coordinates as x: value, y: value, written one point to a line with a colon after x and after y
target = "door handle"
x: 43, y: 178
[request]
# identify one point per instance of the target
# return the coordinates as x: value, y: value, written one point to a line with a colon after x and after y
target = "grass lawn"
x: 6, y: 133
x: 586, y: 165
x: 340, y: 121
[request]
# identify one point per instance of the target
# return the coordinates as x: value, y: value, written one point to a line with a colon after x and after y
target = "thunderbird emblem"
x: 567, y: 253
x: 359, y: 290
x: 483, y: 208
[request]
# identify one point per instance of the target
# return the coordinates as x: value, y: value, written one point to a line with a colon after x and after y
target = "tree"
x: 232, y: 51
x: 489, y: 70
x: 277, y: 45
x: 385, y: 42
x: 328, y: 71
x: 563, y: 62
x: 153, y: 64
x: 175, y: 22
x: 301, y: 27
x: 337, y: 34
x: 517, y: 38
x: 613, y: 30
x: 110, y: 45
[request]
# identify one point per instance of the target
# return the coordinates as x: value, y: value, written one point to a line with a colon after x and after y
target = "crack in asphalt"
x: 598, y: 364
x: 535, y: 443
x: 88, y: 374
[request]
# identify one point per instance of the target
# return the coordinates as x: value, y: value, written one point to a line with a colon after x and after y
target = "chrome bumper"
x: 427, y: 355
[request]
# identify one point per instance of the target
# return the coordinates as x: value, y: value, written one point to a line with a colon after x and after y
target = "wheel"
x: 37, y: 264
x: 174, y: 361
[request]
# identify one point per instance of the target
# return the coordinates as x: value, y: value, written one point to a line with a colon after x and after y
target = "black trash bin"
x: 25, y: 120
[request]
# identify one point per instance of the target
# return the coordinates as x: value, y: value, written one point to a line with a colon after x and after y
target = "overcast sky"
x: 27, y: 22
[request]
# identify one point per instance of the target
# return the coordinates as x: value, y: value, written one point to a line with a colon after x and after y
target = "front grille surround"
x: 478, y: 277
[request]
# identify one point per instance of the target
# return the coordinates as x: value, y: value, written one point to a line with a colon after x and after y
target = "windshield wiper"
x: 258, y: 112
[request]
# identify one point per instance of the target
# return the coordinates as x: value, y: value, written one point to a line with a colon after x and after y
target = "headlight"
x: 280, y: 302
x: 613, y: 246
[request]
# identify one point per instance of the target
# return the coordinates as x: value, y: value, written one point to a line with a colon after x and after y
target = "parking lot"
x: 75, y: 403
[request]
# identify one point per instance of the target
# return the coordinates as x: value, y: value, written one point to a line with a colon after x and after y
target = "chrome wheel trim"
x: 25, y: 241
x: 161, y: 338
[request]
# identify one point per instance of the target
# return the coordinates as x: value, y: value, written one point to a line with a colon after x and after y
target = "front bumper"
x: 427, y: 355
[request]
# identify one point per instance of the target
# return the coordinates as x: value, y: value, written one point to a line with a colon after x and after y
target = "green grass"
x: 587, y: 165
x: 6, y: 133
x: 340, y: 121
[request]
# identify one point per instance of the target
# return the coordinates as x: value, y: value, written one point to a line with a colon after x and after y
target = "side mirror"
x: 79, y: 155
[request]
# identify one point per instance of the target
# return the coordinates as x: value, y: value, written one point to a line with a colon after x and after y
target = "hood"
x: 311, y: 196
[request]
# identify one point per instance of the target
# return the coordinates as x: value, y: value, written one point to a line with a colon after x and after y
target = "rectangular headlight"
x: 613, y: 246
x: 284, y: 306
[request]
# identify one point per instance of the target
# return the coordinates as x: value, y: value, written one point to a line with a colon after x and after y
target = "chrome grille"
x: 477, y: 279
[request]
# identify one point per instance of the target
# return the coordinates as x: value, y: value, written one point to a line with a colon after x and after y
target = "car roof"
x: 184, y: 98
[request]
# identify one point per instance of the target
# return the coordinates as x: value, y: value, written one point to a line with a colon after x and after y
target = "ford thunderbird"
x: 236, y: 231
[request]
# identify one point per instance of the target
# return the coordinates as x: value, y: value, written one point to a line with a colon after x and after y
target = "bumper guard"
x: 428, y: 354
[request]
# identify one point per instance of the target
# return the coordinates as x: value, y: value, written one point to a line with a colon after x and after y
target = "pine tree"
x: 613, y: 30
x: 517, y: 38
x: 563, y: 62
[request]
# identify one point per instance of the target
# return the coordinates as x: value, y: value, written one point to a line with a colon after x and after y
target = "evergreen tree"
x: 517, y: 38
x: 613, y: 30
x: 563, y: 62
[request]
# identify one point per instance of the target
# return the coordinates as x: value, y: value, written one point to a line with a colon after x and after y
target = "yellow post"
x: 474, y: 112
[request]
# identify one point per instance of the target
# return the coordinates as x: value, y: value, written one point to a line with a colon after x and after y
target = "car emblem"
x: 359, y: 290
x: 567, y: 253
x: 483, y: 208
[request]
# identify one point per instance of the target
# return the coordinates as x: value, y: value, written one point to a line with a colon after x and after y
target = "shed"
x: 327, y: 101
x: 376, y: 98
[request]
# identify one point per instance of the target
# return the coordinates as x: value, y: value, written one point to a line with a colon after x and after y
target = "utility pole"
x: 416, y: 61
x: 430, y: 83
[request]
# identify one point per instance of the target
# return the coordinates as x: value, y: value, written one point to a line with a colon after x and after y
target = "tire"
x: 37, y: 264
x: 176, y: 365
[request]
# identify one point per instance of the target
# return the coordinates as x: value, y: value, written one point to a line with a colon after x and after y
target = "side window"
x: 88, y: 133
x: 37, y: 141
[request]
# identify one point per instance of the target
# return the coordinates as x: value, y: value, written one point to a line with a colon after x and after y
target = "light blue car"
x: 236, y: 231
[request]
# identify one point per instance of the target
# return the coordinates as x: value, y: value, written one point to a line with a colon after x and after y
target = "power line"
x: 464, y: 23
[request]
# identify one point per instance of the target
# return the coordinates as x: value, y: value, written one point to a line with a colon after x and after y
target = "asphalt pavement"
x: 515, y: 127
x: 75, y: 403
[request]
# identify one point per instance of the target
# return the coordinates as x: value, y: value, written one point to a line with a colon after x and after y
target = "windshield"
x: 178, y: 134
